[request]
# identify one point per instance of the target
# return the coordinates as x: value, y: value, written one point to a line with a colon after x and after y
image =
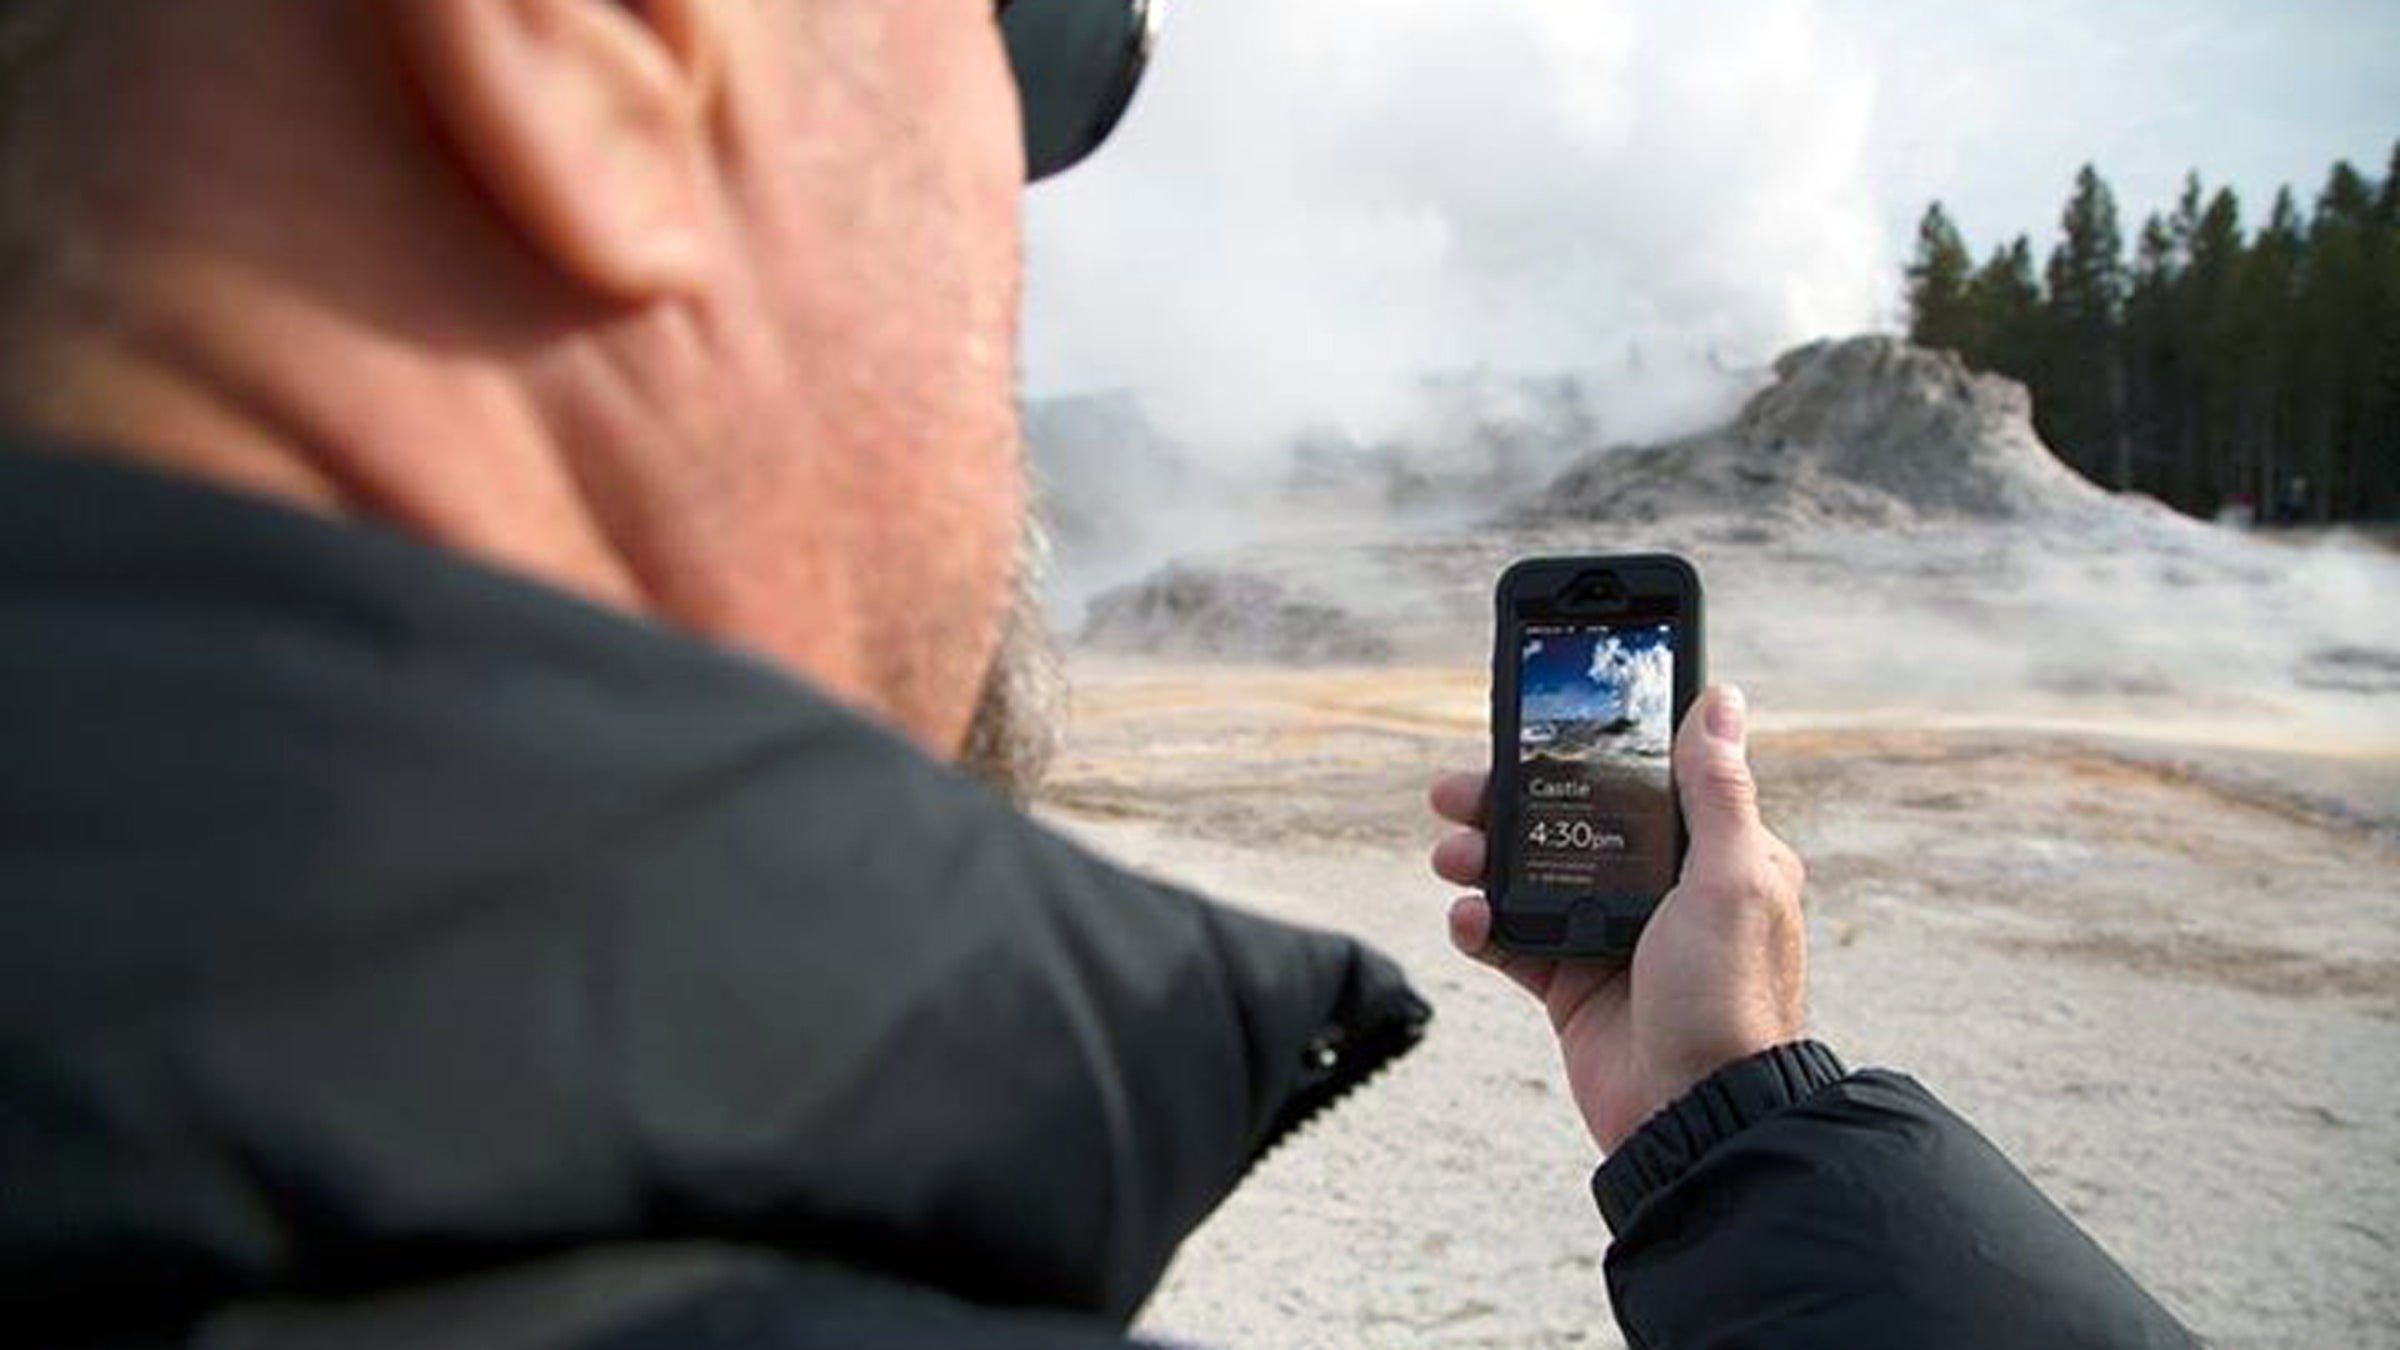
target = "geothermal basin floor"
x: 2163, y: 973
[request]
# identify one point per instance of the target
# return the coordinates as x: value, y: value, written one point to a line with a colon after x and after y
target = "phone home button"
x: 1533, y: 932
x: 1593, y: 926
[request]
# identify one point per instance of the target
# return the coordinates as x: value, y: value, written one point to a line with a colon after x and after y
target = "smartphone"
x: 1595, y: 661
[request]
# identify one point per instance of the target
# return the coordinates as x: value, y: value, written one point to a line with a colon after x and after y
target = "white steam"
x: 1642, y: 682
x: 1630, y: 681
x: 1316, y: 203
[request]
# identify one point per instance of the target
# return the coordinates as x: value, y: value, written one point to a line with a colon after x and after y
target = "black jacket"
x: 393, y: 953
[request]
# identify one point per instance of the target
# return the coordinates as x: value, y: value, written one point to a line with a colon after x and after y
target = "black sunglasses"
x: 1077, y: 63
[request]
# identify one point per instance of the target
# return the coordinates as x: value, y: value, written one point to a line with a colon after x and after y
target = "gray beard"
x: 1014, y: 734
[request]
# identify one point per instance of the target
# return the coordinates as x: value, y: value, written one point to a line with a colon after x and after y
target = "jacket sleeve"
x: 1785, y: 1203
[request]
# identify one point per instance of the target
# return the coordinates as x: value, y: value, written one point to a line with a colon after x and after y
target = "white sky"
x: 1994, y: 106
x: 1314, y: 199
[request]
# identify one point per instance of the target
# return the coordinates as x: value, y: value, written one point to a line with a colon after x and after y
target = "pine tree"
x: 1941, y: 313
x: 2267, y: 336
x: 2087, y: 287
x: 2154, y: 356
x: 2375, y: 482
x: 2387, y: 201
x: 2087, y: 272
x: 2006, y: 300
x: 2184, y: 223
x: 2207, y: 313
x: 2338, y: 327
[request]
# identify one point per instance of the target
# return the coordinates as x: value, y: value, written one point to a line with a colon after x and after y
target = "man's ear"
x: 585, y: 122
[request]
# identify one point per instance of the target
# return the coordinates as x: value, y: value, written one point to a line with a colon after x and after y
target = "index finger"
x: 1459, y: 798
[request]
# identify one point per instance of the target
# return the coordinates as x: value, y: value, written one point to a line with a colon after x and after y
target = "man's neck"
x: 357, y: 427
x: 283, y: 397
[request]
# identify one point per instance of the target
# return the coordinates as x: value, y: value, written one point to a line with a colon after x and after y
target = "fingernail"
x: 1728, y: 715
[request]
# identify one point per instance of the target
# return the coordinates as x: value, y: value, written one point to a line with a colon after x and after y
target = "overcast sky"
x: 1313, y: 198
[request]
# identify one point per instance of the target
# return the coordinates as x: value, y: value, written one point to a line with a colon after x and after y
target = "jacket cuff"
x: 1722, y: 1105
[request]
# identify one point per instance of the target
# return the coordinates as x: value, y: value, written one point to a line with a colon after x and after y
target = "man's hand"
x: 1722, y: 970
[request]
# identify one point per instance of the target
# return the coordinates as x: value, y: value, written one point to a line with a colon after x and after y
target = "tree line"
x: 2216, y: 367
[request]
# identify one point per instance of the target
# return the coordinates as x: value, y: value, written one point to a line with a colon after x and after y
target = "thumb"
x: 1712, y: 770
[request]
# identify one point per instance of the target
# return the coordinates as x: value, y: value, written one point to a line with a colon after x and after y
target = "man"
x: 510, y: 503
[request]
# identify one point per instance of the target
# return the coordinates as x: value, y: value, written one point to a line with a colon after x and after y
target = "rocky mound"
x: 1871, y: 430
x: 1182, y: 610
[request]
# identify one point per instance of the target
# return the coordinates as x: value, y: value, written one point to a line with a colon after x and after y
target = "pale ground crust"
x: 2158, y: 963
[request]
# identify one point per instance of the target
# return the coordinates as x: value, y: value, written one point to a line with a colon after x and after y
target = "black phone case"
x: 1600, y: 930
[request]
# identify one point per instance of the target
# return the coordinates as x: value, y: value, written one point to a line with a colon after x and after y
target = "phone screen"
x: 1595, y: 723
